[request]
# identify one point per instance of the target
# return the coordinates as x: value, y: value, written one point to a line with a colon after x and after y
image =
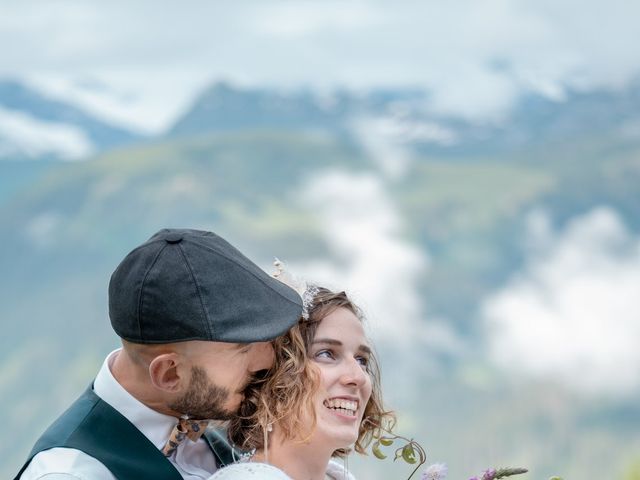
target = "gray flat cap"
x: 193, y: 285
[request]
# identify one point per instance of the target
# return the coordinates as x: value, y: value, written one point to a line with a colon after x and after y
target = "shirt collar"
x: 154, y: 425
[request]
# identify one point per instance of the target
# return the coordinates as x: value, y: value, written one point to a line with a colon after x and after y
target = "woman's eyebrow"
x: 365, y: 349
x: 331, y: 341
x: 327, y: 341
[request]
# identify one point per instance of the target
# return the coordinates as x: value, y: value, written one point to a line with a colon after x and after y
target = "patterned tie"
x: 186, y: 428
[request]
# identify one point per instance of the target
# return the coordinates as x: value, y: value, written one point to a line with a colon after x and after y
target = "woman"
x: 321, y: 398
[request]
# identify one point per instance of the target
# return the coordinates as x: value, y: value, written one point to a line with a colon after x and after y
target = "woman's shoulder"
x: 337, y: 471
x: 249, y: 470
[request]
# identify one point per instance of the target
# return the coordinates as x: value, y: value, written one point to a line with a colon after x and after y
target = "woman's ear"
x: 166, y: 372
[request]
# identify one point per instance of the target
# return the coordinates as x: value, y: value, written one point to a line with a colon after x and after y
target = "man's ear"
x: 167, y: 372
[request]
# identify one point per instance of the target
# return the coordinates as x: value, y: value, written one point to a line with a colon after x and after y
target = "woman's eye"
x: 324, y: 354
x: 364, y: 361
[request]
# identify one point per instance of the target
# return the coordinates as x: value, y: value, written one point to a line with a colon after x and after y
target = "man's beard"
x: 203, y: 399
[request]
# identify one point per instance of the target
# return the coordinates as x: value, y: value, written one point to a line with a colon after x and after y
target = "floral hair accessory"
x: 306, y: 290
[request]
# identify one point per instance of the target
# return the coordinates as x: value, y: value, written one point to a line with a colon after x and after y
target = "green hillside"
x: 65, y: 233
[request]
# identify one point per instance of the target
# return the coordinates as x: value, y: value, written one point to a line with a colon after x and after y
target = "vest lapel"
x: 225, y: 454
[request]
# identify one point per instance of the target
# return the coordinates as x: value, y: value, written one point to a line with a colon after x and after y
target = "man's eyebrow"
x: 331, y: 341
x: 240, y: 346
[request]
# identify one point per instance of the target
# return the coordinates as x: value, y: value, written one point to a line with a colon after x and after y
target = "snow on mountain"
x: 34, y: 126
x: 146, y: 105
x: 24, y: 136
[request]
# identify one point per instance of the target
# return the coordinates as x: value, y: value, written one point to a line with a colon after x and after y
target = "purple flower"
x: 437, y: 471
x: 489, y: 474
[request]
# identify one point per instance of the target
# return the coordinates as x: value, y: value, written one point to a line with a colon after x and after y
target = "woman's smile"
x: 342, y: 406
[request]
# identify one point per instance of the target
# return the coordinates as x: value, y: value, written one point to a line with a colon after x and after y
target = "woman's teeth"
x: 347, y: 407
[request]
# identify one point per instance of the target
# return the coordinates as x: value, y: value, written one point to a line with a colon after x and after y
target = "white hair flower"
x: 306, y: 290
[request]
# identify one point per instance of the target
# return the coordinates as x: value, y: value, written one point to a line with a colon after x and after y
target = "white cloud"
x: 21, y: 134
x: 300, y: 19
x: 128, y: 99
x: 475, y: 92
x: 43, y: 229
x: 370, y: 259
x: 572, y: 313
x: 381, y: 138
x: 386, y: 140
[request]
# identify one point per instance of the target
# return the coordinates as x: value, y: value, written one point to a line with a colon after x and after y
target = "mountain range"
x: 223, y: 107
x: 249, y: 164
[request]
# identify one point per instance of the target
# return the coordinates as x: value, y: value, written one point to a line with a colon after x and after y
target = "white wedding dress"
x: 263, y: 471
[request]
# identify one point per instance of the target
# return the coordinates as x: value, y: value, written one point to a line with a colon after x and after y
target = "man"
x: 194, y: 316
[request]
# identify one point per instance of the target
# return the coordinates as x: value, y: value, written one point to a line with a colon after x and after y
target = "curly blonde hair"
x: 285, y: 394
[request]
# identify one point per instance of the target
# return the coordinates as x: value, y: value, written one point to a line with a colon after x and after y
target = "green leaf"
x: 409, y: 454
x: 377, y: 452
x: 386, y: 441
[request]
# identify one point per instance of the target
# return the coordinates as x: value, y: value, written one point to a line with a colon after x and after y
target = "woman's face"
x: 341, y: 353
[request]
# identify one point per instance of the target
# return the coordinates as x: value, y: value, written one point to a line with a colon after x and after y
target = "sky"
x: 141, y: 63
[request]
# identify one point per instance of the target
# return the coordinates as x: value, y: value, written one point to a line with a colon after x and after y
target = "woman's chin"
x: 342, y: 440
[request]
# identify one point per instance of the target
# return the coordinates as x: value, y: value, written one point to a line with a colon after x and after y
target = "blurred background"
x: 468, y: 170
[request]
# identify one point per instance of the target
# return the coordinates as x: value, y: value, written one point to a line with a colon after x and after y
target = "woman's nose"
x: 354, y: 373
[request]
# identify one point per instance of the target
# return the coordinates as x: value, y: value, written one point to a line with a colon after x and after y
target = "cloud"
x: 23, y: 135
x: 386, y: 140
x: 369, y: 257
x: 43, y: 229
x: 128, y: 98
x: 300, y: 19
x: 475, y: 57
x: 572, y: 313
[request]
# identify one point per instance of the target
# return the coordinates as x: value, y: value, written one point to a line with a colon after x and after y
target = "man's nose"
x: 263, y: 356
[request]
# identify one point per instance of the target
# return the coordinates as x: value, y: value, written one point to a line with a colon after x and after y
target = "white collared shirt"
x: 193, y: 460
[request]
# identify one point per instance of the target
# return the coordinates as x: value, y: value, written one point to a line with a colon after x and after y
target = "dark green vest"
x: 96, y: 428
